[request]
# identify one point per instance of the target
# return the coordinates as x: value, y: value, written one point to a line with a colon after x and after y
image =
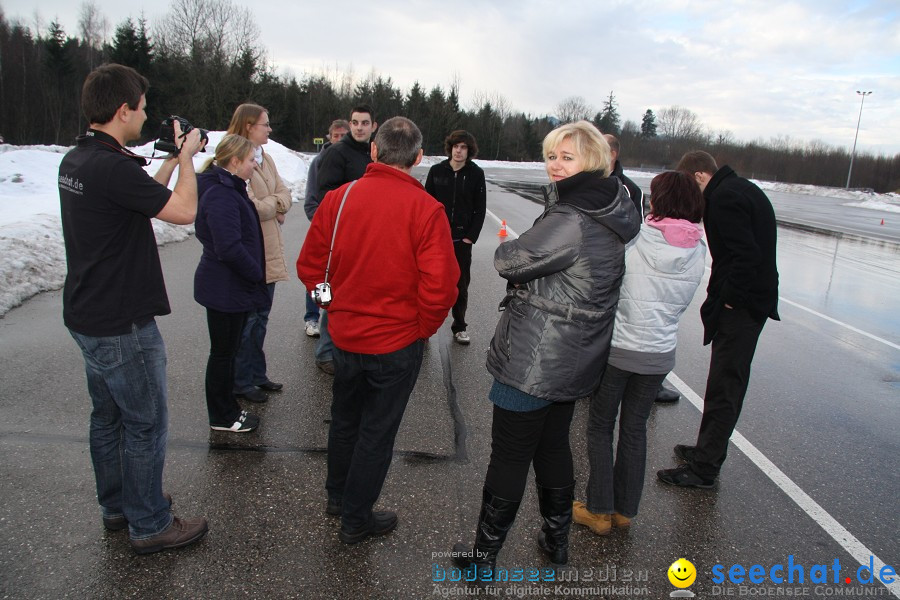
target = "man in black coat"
x: 341, y: 163
x: 458, y: 184
x: 742, y: 293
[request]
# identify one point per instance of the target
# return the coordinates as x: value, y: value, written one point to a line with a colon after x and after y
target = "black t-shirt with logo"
x: 106, y: 201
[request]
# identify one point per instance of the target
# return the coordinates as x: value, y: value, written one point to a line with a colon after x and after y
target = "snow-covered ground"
x: 32, y: 256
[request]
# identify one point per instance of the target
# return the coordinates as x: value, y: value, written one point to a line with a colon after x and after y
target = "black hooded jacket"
x: 463, y: 195
x: 553, y: 337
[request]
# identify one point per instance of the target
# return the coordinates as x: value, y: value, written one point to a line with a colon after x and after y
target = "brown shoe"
x: 601, y: 524
x: 181, y: 532
x: 120, y: 522
x: 620, y: 521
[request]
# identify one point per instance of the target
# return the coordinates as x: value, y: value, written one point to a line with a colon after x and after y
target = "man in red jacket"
x: 393, y: 277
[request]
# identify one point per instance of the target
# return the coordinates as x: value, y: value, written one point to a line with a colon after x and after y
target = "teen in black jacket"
x: 458, y: 184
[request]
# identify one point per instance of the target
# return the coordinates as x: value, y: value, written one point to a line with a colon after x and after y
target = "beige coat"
x: 271, y: 198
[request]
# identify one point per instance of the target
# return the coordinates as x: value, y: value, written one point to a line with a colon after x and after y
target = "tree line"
x: 203, y: 58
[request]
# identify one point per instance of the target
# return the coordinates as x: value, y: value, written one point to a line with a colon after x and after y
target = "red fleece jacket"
x: 393, y: 271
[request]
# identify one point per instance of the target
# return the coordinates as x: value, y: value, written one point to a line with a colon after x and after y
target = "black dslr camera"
x: 166, y: 138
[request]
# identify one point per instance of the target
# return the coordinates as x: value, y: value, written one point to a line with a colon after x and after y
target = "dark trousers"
x: 617, y: 487
x: 225, y: 330
x: 463, y: 253
x: 370, y: 395
x: 519, y: 439
x: 729, y: 375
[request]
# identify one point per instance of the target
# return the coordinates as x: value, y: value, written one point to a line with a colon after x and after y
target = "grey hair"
x: 398, y: 141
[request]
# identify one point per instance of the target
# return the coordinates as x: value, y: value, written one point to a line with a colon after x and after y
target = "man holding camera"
x: 114, y: 289
x: 392, y: 274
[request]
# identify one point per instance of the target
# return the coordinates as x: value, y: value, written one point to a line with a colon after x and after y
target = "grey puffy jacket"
x: 553, y: 337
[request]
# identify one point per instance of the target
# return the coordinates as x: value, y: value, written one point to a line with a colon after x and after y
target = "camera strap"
x: 337, y: 219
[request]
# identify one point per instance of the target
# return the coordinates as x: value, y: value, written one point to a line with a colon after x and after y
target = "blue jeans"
x: 126, y: 378
x: 312, y: 309
x: 370, y: 396
x: 250, y: 360
x: 324, y: 347
x: 618, y: 487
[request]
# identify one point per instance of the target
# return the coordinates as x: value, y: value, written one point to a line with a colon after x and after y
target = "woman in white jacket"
x: 663, y: 268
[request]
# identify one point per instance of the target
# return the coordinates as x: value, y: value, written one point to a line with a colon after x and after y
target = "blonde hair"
x: 231, y: 146
x: 589, y: 144
x: 244, y: 116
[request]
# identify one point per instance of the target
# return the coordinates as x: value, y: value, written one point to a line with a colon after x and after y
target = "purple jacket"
x: 231, y: 275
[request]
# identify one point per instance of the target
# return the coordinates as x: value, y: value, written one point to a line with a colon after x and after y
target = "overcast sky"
x: 756, y: 68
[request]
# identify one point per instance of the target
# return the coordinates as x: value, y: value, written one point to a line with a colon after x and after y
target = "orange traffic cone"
x: 502, y: 232
x: 882, y: 221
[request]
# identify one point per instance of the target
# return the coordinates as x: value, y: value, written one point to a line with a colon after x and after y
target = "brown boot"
x: 181, y: 532
x: 601, y: 524
x: 620, y: 521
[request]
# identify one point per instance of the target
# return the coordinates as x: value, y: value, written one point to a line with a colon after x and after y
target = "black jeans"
x: 519, y: 439
x: 463, y: 253
x: 618, y: 487
x: 370, y: 396
x: 225, y: 331
x: 729, y: 375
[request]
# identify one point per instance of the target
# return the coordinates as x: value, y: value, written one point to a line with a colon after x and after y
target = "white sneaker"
x: 246, y: 422
x: 312, y: 328
x: 462, y: 337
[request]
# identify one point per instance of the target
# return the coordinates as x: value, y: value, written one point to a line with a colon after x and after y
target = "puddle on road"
x: 854, y: 281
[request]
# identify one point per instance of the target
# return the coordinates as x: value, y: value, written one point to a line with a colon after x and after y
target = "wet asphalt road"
x: 822, y: 407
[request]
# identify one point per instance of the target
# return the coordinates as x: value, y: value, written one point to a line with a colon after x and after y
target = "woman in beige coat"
x: 272, y: 200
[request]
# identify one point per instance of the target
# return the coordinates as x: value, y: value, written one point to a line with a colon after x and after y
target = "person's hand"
x: 280, y: 218
x: 192, y: 143
x: 729, y: 307
x: 467, y: 240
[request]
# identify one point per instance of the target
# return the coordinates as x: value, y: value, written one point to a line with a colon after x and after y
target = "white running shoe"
x: 462, y: 337
x: 312, y: 329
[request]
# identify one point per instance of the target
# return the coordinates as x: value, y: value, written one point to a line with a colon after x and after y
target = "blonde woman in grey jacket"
x: 663, y: 268
x: 552, y: 340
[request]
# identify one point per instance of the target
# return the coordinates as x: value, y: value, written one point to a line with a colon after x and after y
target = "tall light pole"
x: 853, y: 152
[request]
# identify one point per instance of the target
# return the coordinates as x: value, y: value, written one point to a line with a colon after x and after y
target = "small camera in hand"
x: 321, y: 294
x: 166, y: 141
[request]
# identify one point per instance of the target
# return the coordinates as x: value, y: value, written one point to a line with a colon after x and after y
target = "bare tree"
x: 220, y: 27
x: 677, y: 122
x: 93, y: 27
x: 573, y: 108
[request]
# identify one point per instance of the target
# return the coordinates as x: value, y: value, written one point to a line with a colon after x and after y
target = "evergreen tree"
x: 648, y: 124
x: 607, y: 120
x: 124, y: 47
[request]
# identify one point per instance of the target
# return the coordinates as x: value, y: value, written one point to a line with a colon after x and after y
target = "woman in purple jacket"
x: 230, y: 279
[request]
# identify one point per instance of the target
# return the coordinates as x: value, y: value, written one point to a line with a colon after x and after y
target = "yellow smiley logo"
x: 682, y: 573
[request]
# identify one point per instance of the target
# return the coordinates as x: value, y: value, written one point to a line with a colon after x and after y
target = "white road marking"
x: 841, y: 323
x: 836, y: 322
x: 847, y: 540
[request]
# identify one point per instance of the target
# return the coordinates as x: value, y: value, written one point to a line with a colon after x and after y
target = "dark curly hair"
x: 461, y: 136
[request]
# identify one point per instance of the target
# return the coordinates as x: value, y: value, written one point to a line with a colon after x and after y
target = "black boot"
x: 556, y: 508
x: 497, y: 516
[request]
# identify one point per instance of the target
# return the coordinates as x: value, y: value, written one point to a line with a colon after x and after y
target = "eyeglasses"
x: 266, y: 125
